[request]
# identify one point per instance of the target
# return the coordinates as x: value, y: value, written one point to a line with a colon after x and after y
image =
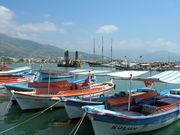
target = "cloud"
x: 40, y: 27
x: 6, y: 22
x: 107, y: 29
x: 25, y: 31
x: 67, y: 23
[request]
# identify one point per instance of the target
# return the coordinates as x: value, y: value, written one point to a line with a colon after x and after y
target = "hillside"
x: 14, y: 47
x: 164, y: 56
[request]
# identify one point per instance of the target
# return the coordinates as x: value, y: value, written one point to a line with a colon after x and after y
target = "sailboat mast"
x: 94, y: 52
x: 111, y: 50
x: 102, y: 50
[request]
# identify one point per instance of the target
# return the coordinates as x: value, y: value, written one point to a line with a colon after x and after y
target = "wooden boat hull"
x: 17, y: 81
x: 30, y: 100
x: 109, y: 122
x: 110, y: 128
x: 55, y: 74
x: 73, y: 106
x: 27, y: 102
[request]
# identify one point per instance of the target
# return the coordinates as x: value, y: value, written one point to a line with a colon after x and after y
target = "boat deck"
x: 131, y: 113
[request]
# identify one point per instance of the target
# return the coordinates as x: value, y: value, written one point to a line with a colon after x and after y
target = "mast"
x: 111, y: 50
x: 102, y: 50
x: 94, y: 52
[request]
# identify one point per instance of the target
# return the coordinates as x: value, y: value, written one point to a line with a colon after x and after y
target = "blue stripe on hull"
x: 117, y: 120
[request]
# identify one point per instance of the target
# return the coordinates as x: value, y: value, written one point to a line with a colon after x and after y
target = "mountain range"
x: 14, y: 47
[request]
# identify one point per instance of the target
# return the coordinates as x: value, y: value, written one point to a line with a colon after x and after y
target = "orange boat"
x: 42, y: 98
x: 15, y: 80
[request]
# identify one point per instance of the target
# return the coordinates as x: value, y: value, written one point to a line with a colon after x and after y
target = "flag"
x: 88, y: 80
x: 148, y: 83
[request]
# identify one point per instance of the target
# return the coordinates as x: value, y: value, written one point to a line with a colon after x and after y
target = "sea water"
x: 17, y: 122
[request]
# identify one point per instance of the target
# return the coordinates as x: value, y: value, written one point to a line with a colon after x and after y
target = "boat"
x: 73, y: 105
x: 72, y: 63
x: 32, y: 86
x: 16, y: 70
x: 16, y: 76
x: 66, y: 62
x: 15, y: 80
x: 142, y: 117
x: 46, y: 74
x: 44, y: 97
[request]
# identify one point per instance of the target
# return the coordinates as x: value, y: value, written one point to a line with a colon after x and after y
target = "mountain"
x: 164, y: 56
x: 146, y: 56
x: 14, y: 47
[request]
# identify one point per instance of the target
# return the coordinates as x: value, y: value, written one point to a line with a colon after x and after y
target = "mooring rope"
x: 36, y: 115
x: 78, y: 124
x: 10, y: 101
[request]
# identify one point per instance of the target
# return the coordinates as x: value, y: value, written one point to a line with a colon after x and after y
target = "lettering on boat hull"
x: 123, y: 128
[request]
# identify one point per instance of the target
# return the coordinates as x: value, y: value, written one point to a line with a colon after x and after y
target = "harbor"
x: 55, y: 120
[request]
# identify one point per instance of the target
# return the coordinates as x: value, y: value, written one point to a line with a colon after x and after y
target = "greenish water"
x: 46, y: 123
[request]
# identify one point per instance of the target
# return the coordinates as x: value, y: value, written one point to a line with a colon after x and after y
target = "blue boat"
x: 142, y: 117
x: 73, y: 106
x: 46, y: 74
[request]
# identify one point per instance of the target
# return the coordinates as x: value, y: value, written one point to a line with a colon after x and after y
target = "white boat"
x: 161, y: 111
x: 73, y: 106
x: 16, y: 81
x: 45, y: 98
x: 140, y: 118
x: 16, y: 70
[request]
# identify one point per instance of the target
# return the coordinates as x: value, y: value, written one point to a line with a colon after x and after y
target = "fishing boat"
x: 136, y: 117
x: 15, y: 80
x: 46, y: 74
x: 44, y: 97
x: 31, y: 86
x: 73, y: 106
x: 16, y: 70
x: 142, y: 117
x: 15, y: 76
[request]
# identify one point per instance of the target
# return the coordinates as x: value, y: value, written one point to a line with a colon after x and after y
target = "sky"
x: 135, y: 27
